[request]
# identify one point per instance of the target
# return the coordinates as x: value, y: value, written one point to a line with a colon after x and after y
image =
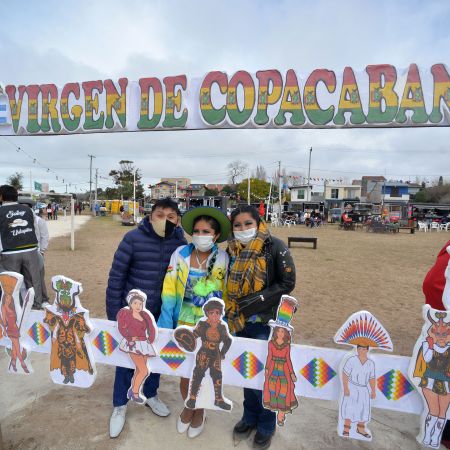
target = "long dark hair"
x: 216, y: 227
x: 245, y: 209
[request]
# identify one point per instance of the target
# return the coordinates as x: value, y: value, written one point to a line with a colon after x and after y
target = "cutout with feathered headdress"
x: 363, y: 329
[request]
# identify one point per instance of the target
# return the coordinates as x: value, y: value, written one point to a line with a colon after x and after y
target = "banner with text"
x: 380, y: 96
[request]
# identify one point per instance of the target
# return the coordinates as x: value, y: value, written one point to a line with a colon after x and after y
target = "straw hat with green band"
x: 187, y: 221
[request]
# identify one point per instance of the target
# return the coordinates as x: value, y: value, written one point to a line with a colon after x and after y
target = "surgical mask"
x: 203, y: 243
x: 163, y: 228
x: 245, y: 236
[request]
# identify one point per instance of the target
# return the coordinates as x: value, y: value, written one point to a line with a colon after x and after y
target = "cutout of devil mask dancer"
x: 280, y: 378
x: 213, y: 332
x: 137, y: 326
x: 12, y: 319
x: 357, y: 371
x: 71, y: 352
x: 429, y: 369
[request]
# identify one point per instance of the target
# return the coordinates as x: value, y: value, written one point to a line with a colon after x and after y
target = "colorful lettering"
x: 266, y: 98
x: 237, y: 116
x: 15, y: 105
x: 211, y: 115
x: 116, y: 102
x: 291, y: 102
x: 350, y: 100
x: 71, y: 119
x: 33, y: 124
x: 315, y: 113
x: 92, y: 105
x: 49, y: 101
x: 382, y: 93
x: 147, y: 84
x: 173, y: 102
x: 441, y: 91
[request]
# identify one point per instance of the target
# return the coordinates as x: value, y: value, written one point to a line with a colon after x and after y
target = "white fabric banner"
x: 316, y: 368
x: 379, y: 96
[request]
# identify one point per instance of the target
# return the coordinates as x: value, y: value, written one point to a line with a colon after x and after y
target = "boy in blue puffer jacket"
x: 140, y: 262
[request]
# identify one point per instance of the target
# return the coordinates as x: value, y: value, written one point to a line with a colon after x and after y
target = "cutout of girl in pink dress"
x: 137, y: 326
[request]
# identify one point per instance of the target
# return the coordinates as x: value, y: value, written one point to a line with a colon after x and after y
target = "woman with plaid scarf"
x: 261, y: 271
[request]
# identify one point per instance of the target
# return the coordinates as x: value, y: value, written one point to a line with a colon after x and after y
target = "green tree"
x: 16, y: 180
x: 212, y: 192
x: 259, y: 189
x: 123, y: 179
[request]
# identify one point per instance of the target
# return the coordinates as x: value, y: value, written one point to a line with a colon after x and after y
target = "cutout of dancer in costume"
x: 137, y: 326
x: 430, y: 362
x: 12, y: 316
x: 280, y: 378
x: 213, y: 332
x: 71, y: 353
x: 357, y: 371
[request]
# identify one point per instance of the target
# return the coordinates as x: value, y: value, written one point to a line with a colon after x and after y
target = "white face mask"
x: 245, y: 236
x: 203, y: 243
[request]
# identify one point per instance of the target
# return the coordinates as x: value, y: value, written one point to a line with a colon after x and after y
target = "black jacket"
x: 280, y: 276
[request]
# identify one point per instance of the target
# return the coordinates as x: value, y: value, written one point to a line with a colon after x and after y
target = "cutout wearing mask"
x: 245, y: 236
x: 163, y: 228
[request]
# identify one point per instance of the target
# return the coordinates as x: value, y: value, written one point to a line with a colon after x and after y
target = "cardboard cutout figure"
x: 280, y: 378
x: 357, y: 371
x: 71, y: 353
x: 430, y: 363
x: 139, y: 331
x: 13, y: 318
x: 213, y: 332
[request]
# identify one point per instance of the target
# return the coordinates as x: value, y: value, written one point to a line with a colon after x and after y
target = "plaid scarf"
x: 247, y: 274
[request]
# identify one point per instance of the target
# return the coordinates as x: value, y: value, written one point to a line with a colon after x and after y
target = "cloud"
x: 48, y: 42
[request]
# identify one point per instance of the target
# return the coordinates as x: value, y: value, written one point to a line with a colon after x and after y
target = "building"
x: 182, y: 183
x: 217, y: 187
x: 336, y: 194
x: 163, y: 189
x: 399, y: 191
x: 301, y: 193
x: 371, y: 187
x: 194, y: 190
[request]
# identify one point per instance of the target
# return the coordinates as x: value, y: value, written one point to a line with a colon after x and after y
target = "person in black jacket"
x: 261, y: 271
x: 141, y: 262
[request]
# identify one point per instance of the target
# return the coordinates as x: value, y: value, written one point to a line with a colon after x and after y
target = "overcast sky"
x: 49, y: 41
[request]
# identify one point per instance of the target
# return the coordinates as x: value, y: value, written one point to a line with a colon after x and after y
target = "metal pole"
x: 31, y: 186
x: 72, y: 224
x: 309, y: 176
x: 279, y: 188
x: 176, y: 189
x: 90, y: 181
x: 248, y: 187
x: 134, y: 196
x: 95, y: 196
x: 268, y: 203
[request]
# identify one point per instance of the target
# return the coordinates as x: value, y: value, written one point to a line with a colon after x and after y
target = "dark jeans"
x: 122, y: 383
x: 254, y: 412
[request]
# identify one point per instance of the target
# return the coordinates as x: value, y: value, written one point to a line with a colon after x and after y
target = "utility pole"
x: 248, y: 187
x: 90, y: 181
x: 95, y: 196
x: 134, y: 196
x: 308, y: 195
x: 31, y: 186
x: 279, y: 187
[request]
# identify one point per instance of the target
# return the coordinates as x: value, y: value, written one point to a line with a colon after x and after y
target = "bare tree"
x: 236, y: 169
x: 260, y: 173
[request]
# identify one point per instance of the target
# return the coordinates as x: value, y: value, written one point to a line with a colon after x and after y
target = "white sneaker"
x: 194, y: 432
x: 157, y: 406
x: 117, y: 420
x: 181, y: 426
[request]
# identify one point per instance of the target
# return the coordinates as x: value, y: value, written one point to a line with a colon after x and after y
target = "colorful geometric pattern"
x: 105, y: 343
x: 172, y: 355
x: 318, y: 372
x: 363, y: 329
x: 38, y: 333
x: 286, y: 310
x: 394, y: 385
x: 248, y: 365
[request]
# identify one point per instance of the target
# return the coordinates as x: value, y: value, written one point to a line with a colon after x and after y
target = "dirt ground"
x: 349, y: 271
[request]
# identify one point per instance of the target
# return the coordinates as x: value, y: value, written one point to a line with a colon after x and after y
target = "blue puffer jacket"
x: 140, y: 262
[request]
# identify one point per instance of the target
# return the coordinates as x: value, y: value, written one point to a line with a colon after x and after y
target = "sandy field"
x: 349, y: 271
